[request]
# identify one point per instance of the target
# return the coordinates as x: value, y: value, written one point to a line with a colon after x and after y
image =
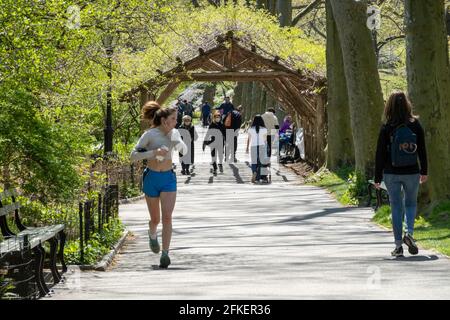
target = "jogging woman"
x: 159, y: 179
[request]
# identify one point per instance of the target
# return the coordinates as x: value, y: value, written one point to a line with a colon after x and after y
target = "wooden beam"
x: 270, y: 86
x: 296, y: 93
x: 230, y: 76
x: 216, y: 66
x: 170, y: 88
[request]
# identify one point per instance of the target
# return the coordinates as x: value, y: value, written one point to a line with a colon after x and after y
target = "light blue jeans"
x: 402, y: 190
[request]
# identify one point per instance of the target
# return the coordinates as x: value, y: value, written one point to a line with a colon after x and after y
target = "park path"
x: 235, y: 240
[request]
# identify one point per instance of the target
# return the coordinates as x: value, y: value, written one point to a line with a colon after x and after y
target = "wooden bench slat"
x: 11, y: 245
x: 54, y: 229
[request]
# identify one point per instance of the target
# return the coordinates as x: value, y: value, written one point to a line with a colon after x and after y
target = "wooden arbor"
x: 300, y: 92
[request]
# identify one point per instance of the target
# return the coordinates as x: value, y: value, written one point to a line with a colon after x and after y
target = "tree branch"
x: 387, y: 40
x: 212, y: 2
x: 320, y: 33
x: 307, y: 10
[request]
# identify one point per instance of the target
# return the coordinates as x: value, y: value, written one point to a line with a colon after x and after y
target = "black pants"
x: 269, y: 145
x: 205, y: 120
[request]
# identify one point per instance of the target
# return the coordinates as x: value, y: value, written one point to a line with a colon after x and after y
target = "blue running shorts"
x: 155, y: 182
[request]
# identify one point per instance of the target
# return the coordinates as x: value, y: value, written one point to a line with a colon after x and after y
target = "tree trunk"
x: 428, y: 74
x: 247, y: 100
x: 256, y: 95
x: 262, y: 100
x: 272, y: 6
x: 363, y: 83
x: 284, y: 7
x: 209, y: 93
x: 237, y: 98
x: 340, y: 149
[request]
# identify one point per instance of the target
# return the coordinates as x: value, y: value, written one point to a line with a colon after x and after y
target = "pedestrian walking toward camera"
x: 206, y: 114
x: 400, y: 149
x: 189, y: 136
x: 215, y: 139
x: 159, y: 179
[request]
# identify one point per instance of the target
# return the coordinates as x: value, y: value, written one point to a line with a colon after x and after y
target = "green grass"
x: 341, y: 183
x: 431, y: 231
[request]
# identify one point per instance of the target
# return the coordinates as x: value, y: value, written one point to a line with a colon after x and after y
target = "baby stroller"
x: 288, y: 151
x: 286, y: 146
x: 264, y: 168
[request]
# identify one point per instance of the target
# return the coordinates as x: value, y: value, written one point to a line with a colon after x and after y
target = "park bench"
x: 16, y: 264
x: 380, y: 194
x: 33, y: 238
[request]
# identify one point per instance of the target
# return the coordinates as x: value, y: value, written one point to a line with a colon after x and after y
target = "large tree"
x: 429, y: 85
x: 363, y: 83
x: 340, y: 141
x: 284, y: 9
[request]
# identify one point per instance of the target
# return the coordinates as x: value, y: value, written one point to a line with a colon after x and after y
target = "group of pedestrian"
x: 222, y: 134
x: 400, y: 149
x: 184, y: 108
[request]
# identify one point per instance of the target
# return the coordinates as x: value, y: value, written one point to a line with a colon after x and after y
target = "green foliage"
x: 35, y: 213
x: 177, y: 38
x: 5, y: 287
x: 99, y: 244
x: 383, y: 216
x: 348, y: 186
x: 41, y: 154
x: 128, y: 191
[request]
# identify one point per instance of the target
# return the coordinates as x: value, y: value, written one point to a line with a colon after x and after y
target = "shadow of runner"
x: 415, y: 258
x: 156, y: 267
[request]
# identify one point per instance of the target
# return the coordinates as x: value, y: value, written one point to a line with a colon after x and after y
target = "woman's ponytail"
x: 153, y: 112
x: 149, y: 110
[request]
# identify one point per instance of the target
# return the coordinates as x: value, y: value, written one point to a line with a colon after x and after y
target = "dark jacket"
x: 236, y: 120
x: 383, y: 156
x: 226, y: 108
x: 206, y: 110
x: 210, y: 137
x: 192, y: 132
x: 194, y: 137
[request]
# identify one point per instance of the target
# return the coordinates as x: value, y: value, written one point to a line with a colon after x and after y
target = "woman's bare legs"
x: 167, y: 205
x: 155, y: 215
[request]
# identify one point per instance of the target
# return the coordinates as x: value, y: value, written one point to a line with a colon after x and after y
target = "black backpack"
x: 403, y: 147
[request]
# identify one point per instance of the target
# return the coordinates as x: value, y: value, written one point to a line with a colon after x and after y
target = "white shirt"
x: 257, y: 139
x: 270, y: 121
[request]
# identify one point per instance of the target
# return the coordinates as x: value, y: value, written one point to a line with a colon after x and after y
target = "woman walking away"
x: 215, y: 139
x: 257, y: 138
x: 401, y: 143
x: 187, y: 130
x: 159, y: 179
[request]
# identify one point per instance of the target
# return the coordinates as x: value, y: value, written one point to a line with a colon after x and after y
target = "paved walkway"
x: 235, y: 240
